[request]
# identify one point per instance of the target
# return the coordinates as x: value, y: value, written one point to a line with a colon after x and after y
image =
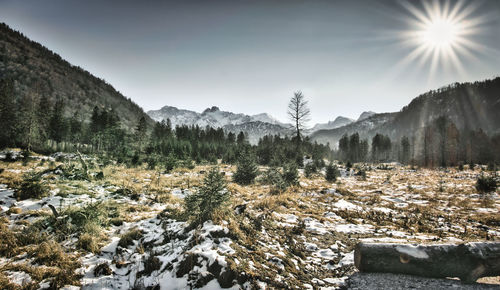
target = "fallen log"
x: 468, y: 262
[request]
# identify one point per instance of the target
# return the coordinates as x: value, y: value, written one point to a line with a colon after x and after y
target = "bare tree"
x: 298, y: 112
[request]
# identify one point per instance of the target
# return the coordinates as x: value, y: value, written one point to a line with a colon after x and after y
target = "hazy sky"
x: 250, y: 56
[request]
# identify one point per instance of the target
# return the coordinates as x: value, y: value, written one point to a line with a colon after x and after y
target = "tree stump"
x: 468, y: 262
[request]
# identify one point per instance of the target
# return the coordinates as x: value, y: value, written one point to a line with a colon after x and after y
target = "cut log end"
x: 357, y: 257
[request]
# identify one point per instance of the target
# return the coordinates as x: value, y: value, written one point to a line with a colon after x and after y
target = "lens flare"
x: 441, y: 33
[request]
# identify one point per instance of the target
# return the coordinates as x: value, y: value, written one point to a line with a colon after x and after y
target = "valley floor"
x: 126, y: 229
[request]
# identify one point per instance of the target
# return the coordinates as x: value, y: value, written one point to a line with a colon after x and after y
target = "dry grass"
x: 8, y: 240
x: 49, y: 261
x: 274, y: 202
x: 10, y: 178
x: 128, y: 238
x: 14, y: 210
x: 89, y: 243
x: 258, y: 232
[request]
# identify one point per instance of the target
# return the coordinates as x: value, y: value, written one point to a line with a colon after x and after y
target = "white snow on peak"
x: 254, y: 126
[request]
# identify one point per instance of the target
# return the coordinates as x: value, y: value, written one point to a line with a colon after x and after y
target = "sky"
x: 251, y: 56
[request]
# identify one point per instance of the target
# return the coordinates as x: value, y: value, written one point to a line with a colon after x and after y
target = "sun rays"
x: 440, y: 34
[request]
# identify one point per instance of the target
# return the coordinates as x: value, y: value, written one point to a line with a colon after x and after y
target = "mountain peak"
x: 256, y: 126
x: 341, y: 119
x: 338, y: 122
x: 211, y: 110
x: 366, y: 115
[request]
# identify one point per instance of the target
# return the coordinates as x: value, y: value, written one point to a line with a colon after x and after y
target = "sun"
x: 440, y: 33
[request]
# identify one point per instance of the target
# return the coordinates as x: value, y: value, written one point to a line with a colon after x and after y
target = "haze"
x: 250, y: 56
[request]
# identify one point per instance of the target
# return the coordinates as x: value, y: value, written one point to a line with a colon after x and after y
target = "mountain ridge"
x: 469, y: 105
x: 338, y: 122
x: 36, y: 71
x: 365, y: 115
x: 256, y: 126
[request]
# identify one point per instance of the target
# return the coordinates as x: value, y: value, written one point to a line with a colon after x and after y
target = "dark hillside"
x: 38, y: 71
x: 470, y: 106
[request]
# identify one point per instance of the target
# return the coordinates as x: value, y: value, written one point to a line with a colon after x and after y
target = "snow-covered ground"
x: 302, y: 239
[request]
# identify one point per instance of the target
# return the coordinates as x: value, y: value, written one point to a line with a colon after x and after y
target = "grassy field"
x: 113, y: 226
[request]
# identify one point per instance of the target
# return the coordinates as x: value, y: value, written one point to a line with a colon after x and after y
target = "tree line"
x: 438, y: 144
x: 35, y: 123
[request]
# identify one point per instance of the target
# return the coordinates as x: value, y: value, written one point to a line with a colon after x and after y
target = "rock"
x: 226, y: 278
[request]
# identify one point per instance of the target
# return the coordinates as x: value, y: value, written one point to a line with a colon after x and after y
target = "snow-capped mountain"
x: 365, y: 115
x: 255, y: 126
x: 338, y: 122
x: 366, y: 128
x: 469, y: 106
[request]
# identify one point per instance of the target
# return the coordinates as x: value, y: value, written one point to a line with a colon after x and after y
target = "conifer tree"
x: 57, y: 126
x: 211, y: 196
x: 331, y: 173
x: 8, y: 115
x: 43, y: 115
x: 241, y: 139
x: 405, y: 150
x: 291, y: 174
x: 247, y: 169
x: 30, y: 130
x: 140, y: 132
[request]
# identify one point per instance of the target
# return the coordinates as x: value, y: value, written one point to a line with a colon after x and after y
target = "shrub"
x: 441, y: 187
x: 92, y: 213
x: 9, y: 157
x: 31, y: 187
x: 86, y: 222
x: 102, y: 269
x: 170, y: 163
x: 71, y: 172
x: 310, y: 169
x: 247, y: 170
x: 274, y: 178
x: 26, y: 156
x: 99, y: 175
x: 332, y: 173
x: 152, y: 160
x: 151, y: 264
x: 319, y: 163
x: 187, y: 163
x: 280, y: 181
x: 486, y: 183
x: 128, y: 238
x: 89, y: 243
x: 290, y: 174
x: 136, y: 159
x: 211, y: 196
x: 361, y: 173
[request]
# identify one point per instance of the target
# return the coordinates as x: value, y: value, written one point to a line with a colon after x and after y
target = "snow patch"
x: 412, y: 251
